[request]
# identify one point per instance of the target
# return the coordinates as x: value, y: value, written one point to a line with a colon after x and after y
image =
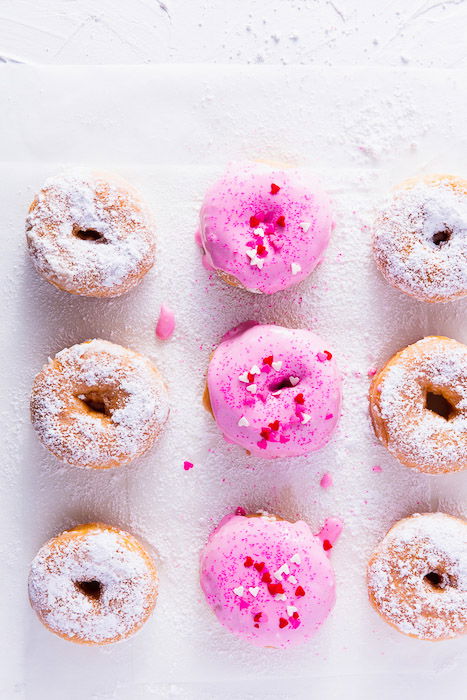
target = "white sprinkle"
x: 296, y: 268
x: 239, y: 590
x: 277, y: 365
x: 259, y: 232
x: 292, y: 579
x: 284, y: 569
x: 275, y: 393
x: 305, y: 417
x: 252, y: 388
x: 244, y: 377
x: 251, y: 252
x: 254, y: 591
x: 243, y: 422
x: 291, y: 609
x: 255, y: 370
x: 294, y: 380
x: 280, y: 596
x: 304, y: 225
x: 296, y: 559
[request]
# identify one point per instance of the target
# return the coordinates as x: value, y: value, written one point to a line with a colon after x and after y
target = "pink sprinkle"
x: 371, y: 372
x: 188, y: 465
x: 326, y: 481
x: 165, y: 324
x: 240, y: 511
x: 294, y: 622
x: 244, y: 604
x: 377, y: 468
x: 262, y: 444
x: 329, y: 416
x: 321, y: 357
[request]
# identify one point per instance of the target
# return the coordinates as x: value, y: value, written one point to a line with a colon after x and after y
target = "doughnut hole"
x: 99, y: 402
x: 284, y: 383
x: 438, y: 580
x: 440, y: 238
x: 88, y: 234
x: 442, y: 402
x: 91, y: 589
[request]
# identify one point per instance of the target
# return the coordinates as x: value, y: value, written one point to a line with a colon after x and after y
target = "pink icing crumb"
x: 165, y: 324
x: 371, y: 372
x: 188, y: 465
x: 377, y: 468
x: 326, y: 481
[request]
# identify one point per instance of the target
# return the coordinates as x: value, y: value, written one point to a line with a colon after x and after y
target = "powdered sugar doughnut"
x: 417, y: 576
x: 90, y: 233
x: 418, y: 405
x: 93, y: 584
x: 268, y: 580
x: 420, y: 238
x: 275, y: 391
x: 263, y: 228
x: 98, y: 404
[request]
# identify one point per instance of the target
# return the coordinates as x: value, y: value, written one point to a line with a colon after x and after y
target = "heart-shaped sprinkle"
x: 254, y: 591
x: 261, y: 250
x: 268, y: 360
x: 296, y: 268
x: 257, y: 617
x: 188, y: 465
x: 248, y: 562
x: 255, y: 370
x: 275, y: 426
x: 291, y: 609
x: 280, y: 596
x: 328, y: 354
x: 259, y: 566
x: 243, y: 422
x: 296, y: 559
x: 275, y: 588
x: 266, y: 577
x: 294, y: 380
x: 305, y: 225
x: 262, y: 444
x: 239, y: 590
x: 283, y: 622
x: 277, y: 365
x: 274, y: 189
x: 265, y: 433
x: 298, y: 399
x: 260, y: 232
x: 327, y: 545
x: 252, y: 388
x: 305, y: 417
x: 254, y: 222
x: 244, y: 377
x: 284, y: 569
x: 299, y: 592
x: 281, y: 221
x: 292, y: 579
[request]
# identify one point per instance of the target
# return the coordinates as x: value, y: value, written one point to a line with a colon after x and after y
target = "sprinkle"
x: 274, y: 189
x: 248, y: 562
x: 281, y: 221
x: 265, y: 433
x: 254, y: 222
x: 294, y: 380
x: 328, y: 354
x: 266, y: 577
x: 275, y: 588
x: 275, y: 426
x: 377, y: 468
x: 305, y: 417
x: 243, y: 422
x: 240, y: 511
x: 255, y: 370
x: 257, y: 617
x: 296, y: 268
x: 371, y: 372
x: 283, y: 622
x: 268, y: 360
x: 281, y: 596
x: 244, y: 377
x: 165, y: 323
x: 292, y: 579
x: 252, y: 388
x: 260, y: 232
x: 294, y: 622
x: 276, y: 393
x: 299, y: 592
x: 284, y: 569
x: 326, y: 545
x: 291, y: 609
x: 304, y: 225
x: 259, y: 566
x: 239, y: 590
x: 244, y: 604
x: 251, y: 377
x: 261, y: 251
x: 296, y: 559
x: 298, y: 399
x: 329, y: 416
x: 277, y: 365
x: 188, y: 465
x: 254, y: 591
x: 326, y: 481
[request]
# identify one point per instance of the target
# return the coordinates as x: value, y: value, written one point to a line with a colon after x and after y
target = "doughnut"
x: 93, y: 584
x: 274, y: 391
x: 268, y: 580
x: 262, y: 228
x: 417, y: 576
x: 418, y: 405
x: 97, y: 404
x: 420, y: 238
x: 90, y: 233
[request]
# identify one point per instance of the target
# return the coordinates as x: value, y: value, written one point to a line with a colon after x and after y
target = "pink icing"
x: 252, y: 410
x: 294, y: 562
x: 165, y: 324
x: 289, y: 247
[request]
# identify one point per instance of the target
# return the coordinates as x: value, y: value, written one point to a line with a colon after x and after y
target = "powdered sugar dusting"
x: 405, y: 232
x: 119, y: 248
x: 133, y: 396
x: 128, y: 585
x: 432, y: 543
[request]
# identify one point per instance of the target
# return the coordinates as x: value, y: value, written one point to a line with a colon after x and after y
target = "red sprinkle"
x: 250, y: 377
x: 274, y: 189
x: 295, y: 615
x: 248, y: 562
x: 326, y: 545
x: 257, y: 617
x: 254, y: 222
x: 274, y: 588
x: 299, y: 592
x: 240, y: 511
x: 261, y: 251
x: 266, y: 578
x: 268, y: 360
x: 265, y: 433
x: 274, y: 426
x: 256, y: 625
x: 299, y: 399
x: 188, y: 465
x: 281, y: 221
x: 283, y: 622
x: 259, y: 566
x: 328, y: 354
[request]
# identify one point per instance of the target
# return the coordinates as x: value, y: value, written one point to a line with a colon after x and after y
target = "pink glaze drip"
x: 288, y: 252
x: 295, y: 403
x: 326, y: 481
x: 244, y: 602
x: 165, y: 324
x: 330, y: 532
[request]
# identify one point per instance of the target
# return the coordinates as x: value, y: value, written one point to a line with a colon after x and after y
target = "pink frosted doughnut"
x: 268, y: 580
x: 275, y: 391
x: 262, y: 228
